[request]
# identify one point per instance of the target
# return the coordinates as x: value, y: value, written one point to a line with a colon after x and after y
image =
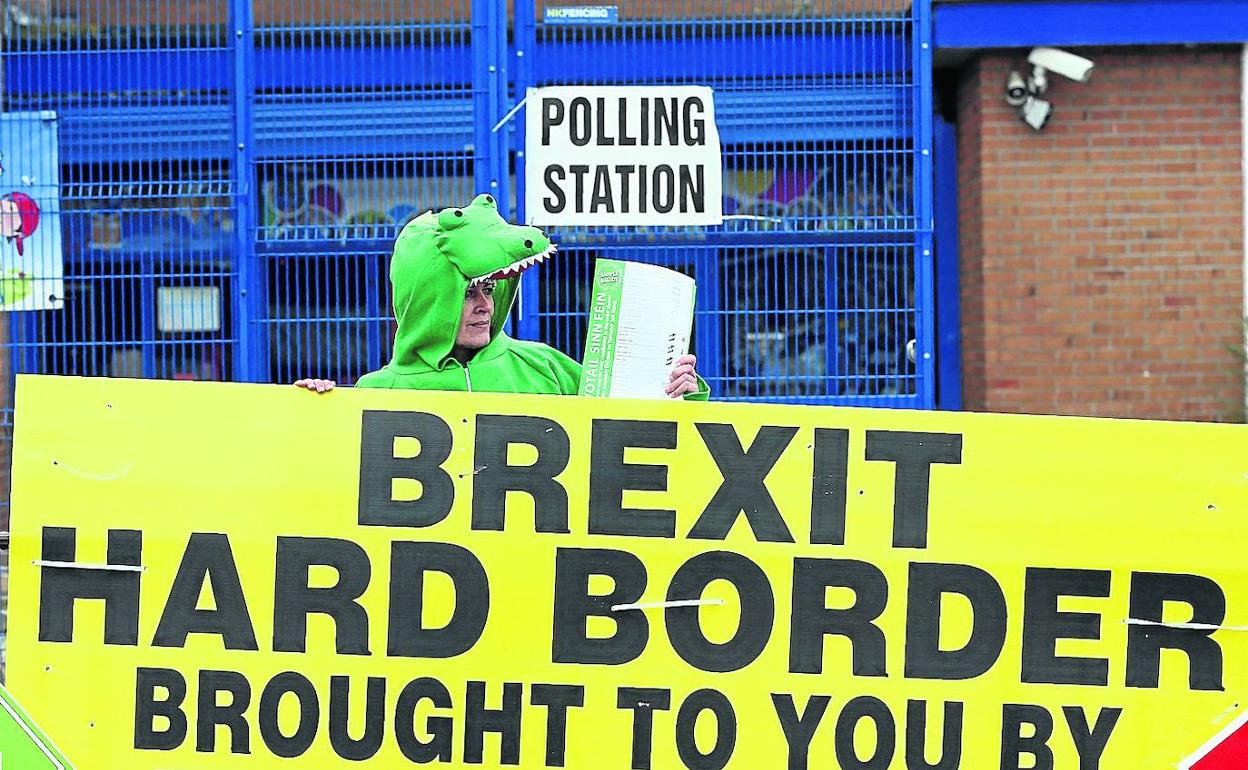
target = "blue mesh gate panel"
x: 370, y: 125
x: 148, y: 192
x: 818, y: 281
x: 233, y: 173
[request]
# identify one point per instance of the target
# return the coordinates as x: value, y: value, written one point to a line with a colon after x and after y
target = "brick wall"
x: 1102, y: 258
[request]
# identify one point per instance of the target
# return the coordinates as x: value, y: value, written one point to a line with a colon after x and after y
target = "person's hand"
x: 320, y: 386
x: 683, y: 378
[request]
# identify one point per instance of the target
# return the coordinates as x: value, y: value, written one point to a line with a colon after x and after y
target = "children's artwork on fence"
x: 30, y: 226
x: 300, y: 203
x: 799, y: 320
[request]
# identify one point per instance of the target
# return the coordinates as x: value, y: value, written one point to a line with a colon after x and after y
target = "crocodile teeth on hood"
x: 515, y: 268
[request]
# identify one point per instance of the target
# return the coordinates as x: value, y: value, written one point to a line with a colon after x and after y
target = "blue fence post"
x: 147, y: 316
x: 487, y: 73
x: 250, y: 301
x: 375, y: 274
x: 924, y: 294
x: 948, y: 299
x: 709, y: 329
x: 525, y: 47
x: 500, y: 183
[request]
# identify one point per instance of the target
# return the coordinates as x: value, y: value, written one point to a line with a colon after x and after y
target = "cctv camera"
x: 1036, y: 112
x: 1038, y: 83
x: 1062, y: 62
x: 1015, y: 90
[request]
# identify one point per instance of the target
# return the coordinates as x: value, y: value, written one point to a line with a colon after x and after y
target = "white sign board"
x: 622, y: 155
x: 30, y: 220
x: 188, y: 309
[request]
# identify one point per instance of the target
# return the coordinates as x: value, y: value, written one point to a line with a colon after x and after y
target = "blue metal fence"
x: 233, y: 173
x: 814, y: 287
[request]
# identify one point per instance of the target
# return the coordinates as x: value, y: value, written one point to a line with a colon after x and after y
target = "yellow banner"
x: 208, y: 576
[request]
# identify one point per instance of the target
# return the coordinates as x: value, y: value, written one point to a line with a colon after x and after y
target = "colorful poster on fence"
x: 30, y: 213
x: 215, y: 575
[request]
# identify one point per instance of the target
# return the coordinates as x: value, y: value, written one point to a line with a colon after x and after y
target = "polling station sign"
x: 622, y: 155
x: 216, y: 575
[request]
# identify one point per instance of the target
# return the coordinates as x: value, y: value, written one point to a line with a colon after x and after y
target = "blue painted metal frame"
x: 147, y: 314
x: 947, y: 294
x: 303, y: 126
x: 739, y: 115
x: 279, y: 104
x: 250, y: 298
x: 325, y: 68
x: 489, y: 78
x: 924, y: 279
x: 524, y: 48
x: 500, y: 56
x: 1090, y: 22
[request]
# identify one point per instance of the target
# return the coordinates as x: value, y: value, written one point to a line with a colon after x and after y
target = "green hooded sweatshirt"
x: 436, y: 258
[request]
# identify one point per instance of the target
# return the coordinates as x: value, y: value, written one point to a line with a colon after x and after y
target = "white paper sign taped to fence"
x: 622, y: 155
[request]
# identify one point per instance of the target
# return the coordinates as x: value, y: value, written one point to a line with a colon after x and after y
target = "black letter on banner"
x: 340, y: 717
x: 812, y: 620
x: 758, y: 611
x: 1014, y: 745
x: 208, y: 556
x: 294, y: 600
x: 928, y: 584
x: 622, y: 128
x: 866, y: 707
x: 603, y: 138
x: 798, y: 731
x: 497, y: 432
x: 230, y: 715
x: 602, y: 202
x: 407, y: 635
x: 554, y: 175
x: 580, y: 121
x: 666, y: 120
x: 557, y: 698
x: 914, y: 454
x: 692, y: 189
x: 609, y: 476
x: 478, y: 720
x: 552, y: 115
x: 1043, y: 625
x: 916, y: 737
x: 309, y: 714
x: 574, y: 604
x: 725, y: 730
x: 664, y: 183
x: 827, y: 490
x: 578, y: 185
x: 438, y: 749
x: 1090, y: 742
x: 643, y: 701
x: 147, y: 709
x: 1149, y: 593
x: 694, y: 125
x: 60, y: 587
x: 743, y: 489
x: 379, y: 467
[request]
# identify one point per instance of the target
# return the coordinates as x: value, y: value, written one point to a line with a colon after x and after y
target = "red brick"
x: 1110, y: 244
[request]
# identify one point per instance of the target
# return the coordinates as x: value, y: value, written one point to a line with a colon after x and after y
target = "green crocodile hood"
x: 436, y: 258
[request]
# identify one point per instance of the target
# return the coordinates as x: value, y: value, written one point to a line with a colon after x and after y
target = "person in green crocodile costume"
x: 455, y: 275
